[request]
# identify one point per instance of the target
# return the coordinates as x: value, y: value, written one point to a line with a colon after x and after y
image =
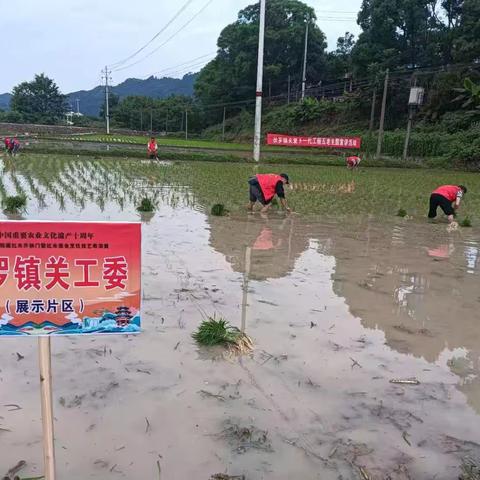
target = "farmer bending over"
x: 7, y: 142
x: 353, y: 162
x: 152, y: 149
x: 448, y: 198
x: 264, y: 186
x: 15, y: 147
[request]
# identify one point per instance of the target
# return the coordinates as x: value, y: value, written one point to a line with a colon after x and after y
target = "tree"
x: 395, y: 34
x: 467, y: 42
x: 39, y: 100
x: 345, y: 44
x: 168, y: 113
x: 448, y: 27
x: 339, y: 62
x: 231, y: 76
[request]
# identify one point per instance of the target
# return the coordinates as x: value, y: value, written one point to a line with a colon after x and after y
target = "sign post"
x: 67, y: 278
x: 45, y: 360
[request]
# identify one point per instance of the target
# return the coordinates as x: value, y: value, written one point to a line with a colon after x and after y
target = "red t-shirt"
x: 353, y: 161
x: 450, y: 192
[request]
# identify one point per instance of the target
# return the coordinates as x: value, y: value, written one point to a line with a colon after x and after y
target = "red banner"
x: 319, y: 142
x: 69, y: 278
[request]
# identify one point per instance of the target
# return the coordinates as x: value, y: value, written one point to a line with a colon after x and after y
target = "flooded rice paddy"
x: 340, y: 300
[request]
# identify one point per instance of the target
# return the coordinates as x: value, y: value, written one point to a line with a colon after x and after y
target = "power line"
x: 330, y: 19
x: 179, y: 12
x: 187, y: 63
x: 338, y: 11
x: 169, y: 38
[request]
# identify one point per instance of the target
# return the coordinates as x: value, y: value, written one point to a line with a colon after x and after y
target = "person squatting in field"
x: 152, y: 149
x: 8, y: 144
x: 264, y: 187
x: 15, y: 147
x: 353, y: 161
x: 448, y: 198
x: 12, y: 145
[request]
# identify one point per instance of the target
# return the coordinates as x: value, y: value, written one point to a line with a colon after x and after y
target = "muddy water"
x: 336, y: 311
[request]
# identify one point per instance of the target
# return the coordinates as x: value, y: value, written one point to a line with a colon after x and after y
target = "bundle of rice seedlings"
x: 466, y: 222
x: 15, y: 203
x: 401, y: 213
x: 213, y: 331
x: 146, y: 205
x: 219, y: 210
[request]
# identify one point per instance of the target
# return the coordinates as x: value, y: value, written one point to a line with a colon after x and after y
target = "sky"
x: 71, y: 41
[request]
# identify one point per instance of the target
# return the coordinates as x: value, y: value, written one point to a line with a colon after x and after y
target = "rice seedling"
x: 318, y: 189
x: 14, y: 203
x: 466, y: 222
x: 213, y: 331
x: 219, y: 210
x: 146, y: 205
x: 470, y: 470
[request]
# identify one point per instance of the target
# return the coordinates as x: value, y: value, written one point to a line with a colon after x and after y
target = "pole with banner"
x: 67, y: 278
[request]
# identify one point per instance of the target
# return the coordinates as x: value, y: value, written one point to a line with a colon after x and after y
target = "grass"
x: 14, y: 203
x: 214, y: 331
x: 146, y: 205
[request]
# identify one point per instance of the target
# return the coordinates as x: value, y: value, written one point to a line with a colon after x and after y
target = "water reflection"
x: 275, y: 244
x: 419, y: 285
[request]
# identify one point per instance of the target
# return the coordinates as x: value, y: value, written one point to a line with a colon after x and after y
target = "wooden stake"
x: 45, y: 358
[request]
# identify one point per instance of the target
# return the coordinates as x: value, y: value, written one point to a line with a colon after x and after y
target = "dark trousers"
x: 437, y: 200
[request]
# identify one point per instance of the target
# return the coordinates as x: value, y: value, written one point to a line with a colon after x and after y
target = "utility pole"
x: 382, y: 115
x: 259, y: 93
x: 186, y: 124
x: 141, y: 120
x: 151, y: 121
x: 78, y: 105
x: 223, y: 123
x: 372, y: 111
x: 166, y: 123
x: 106, y: 76
x: 304, y: 76
x: 409, y: 130
x: 288, y: 95
x: 411, y: 109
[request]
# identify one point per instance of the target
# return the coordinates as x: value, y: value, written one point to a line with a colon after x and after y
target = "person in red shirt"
x: 353, y: 161
x: 14, y: 147
x: 448, y: 198
x: 152, y: 149
x: 7, y: 143
x: 264, y: 187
